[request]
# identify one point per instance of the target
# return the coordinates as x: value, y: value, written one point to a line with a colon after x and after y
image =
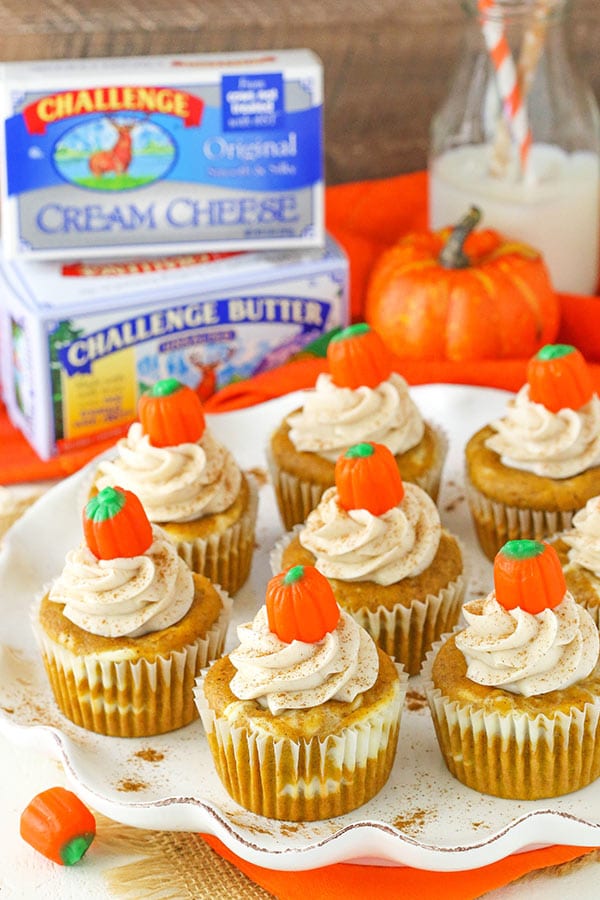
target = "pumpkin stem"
x: 452, y: 255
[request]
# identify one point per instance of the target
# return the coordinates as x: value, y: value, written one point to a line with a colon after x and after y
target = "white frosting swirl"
x: 553, y: 445
x: 298, y: 675
x: 174, y: 484
x: 584, y: 537
x: 334, y: 418
x: 126, y: 596
x: 355, y: 545
x: 524, y: 653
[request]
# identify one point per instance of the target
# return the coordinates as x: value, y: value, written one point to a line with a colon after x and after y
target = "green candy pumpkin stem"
x: 452, y: 255
x: 165, y: 387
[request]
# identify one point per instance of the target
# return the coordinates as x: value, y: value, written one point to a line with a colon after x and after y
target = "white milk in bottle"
x: 519, y: 137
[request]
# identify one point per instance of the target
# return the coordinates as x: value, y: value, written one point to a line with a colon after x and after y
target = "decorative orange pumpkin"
x: 559, y: 378
x: 367, y: 477
x: 528, y: 574
x: 357, y: 356
x: 301, y: 605
x: 57, y: 824
x: 461, y: 295
x: 115, y: 524
x: 171, y: 413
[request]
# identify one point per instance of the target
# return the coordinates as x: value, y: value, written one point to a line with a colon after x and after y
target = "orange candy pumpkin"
x: 528, y: 574
x: 115, y: 524
x: 559, y: 378
x: 462, y: 295
x: 171, y: 413
x: 367, y: 477
x: 301, y: 605
x: 358, y: 357
x: 58, y: 825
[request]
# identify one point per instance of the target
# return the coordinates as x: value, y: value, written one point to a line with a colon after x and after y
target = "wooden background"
x: 386, y: 62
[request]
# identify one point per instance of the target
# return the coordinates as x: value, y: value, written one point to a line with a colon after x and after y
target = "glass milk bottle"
x: 518, y: 136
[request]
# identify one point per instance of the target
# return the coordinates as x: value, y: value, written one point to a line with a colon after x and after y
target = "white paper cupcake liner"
x: 496, y: 523
x: 404, y: 632
x: 122, y: 697
x: 226, y: 558
x: 295, y: 497
x: 308, y: 779
x: 510, y: 754
x: 431, y: 479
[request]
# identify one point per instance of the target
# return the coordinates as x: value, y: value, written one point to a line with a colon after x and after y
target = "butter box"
x: 152, y: 155
x: 79, y: 342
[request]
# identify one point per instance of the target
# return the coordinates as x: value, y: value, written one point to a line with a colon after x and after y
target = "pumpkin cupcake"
x: 302, y: 719
x: 359, y: 399
x: 578, y: 549
x: 126, y: 627
x: 529, y: 472
x: 188, y: 483
x: 515, y: 696
x: 381, y: 545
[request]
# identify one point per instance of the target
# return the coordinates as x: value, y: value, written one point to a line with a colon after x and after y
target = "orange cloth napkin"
x: 345, y: 881
x: 365, y: 217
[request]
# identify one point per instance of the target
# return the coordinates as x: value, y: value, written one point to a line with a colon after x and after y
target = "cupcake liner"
x: 404, y: 632
x: 431, y: 480
x: 309, y: 779
x: 130, y: 697
x: 225, y: 558
x: 510, y: 754
x: 496, y: 523
x: 296, y: 497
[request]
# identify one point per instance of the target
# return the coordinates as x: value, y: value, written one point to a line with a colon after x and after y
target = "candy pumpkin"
x: 559, y: 378
x: 528, y: 574
x: 367, y: 477
x: 58, y: 825
x: 171, y: 413
x: 461, y: 295
x: 301, y: 605
x: 115, y: 524
x: 357, y: 357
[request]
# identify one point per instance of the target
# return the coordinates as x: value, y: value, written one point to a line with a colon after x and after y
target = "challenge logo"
x: 114, y: 99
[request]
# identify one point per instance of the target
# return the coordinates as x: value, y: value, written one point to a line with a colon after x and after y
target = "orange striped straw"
x: 507, y: 80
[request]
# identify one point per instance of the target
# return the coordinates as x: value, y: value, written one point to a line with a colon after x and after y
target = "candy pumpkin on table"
x: 188, y: 483
x: 360, y: 398
x: 530, y: 471
x: 380, y: 543
x: 461, y: 294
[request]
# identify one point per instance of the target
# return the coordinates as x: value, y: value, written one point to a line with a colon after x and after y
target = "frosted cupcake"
x: 515, y: 696
x: 530, y: 471
x: 359, y: 399
x: 188, y: 483
x: 126, y: 627
x: 302, y: 719
x: 579, y: 553
x: 381, y: 545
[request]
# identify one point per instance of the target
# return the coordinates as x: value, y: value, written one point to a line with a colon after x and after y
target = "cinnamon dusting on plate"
x: 413, y: 822
x: 130, y: 787
x: 415, y: 700
x: 149, y: 755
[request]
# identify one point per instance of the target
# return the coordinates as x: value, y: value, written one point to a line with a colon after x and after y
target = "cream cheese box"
x: 151, y: 155
x: 80, y: 342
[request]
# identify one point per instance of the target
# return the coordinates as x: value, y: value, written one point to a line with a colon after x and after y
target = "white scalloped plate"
x: 423, y: 817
